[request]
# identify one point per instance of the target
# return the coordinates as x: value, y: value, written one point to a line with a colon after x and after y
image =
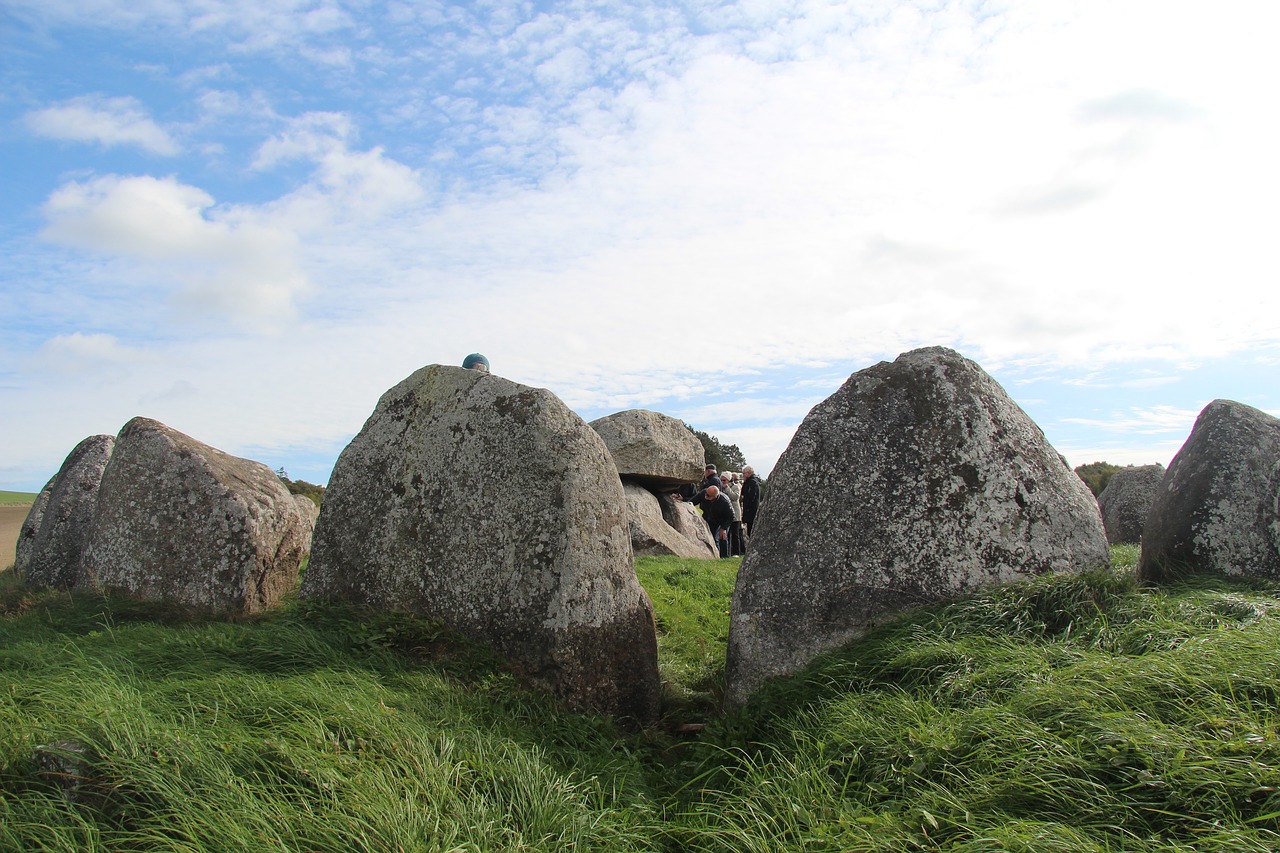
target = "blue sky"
x: 250, y: 219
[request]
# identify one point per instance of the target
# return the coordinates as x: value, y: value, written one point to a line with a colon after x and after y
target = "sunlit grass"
x: 1066, y: 713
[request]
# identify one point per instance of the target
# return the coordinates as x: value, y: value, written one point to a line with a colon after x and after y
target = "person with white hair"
x: 733, y: 490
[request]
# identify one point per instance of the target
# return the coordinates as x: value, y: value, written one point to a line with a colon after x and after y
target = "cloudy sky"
x: 249, y: 218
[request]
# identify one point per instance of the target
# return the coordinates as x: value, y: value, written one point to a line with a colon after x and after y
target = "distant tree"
x: 301, y: 487
x: 726, y: 457
x: 1096, y: 475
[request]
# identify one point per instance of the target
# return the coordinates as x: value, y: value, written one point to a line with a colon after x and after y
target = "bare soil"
x: 11, y: 518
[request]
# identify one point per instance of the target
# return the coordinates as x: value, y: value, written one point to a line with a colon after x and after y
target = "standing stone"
x: 1127, y: 499
x: 493, y: 507
x: 183, y: 522
x: 917, y: 481
x: 653, y: 535
x: 31, y: 528
x: 53, y: 539
x: 651, y: 448
x: 1217, y: 510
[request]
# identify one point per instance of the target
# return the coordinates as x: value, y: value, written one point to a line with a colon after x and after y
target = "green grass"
x: 1064, y: 713
x: 17, y: 497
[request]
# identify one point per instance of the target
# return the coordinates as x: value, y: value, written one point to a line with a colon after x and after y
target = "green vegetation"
x: 726, y: 457
x: 17, y: 497
x: 301, y: 487
x: 1096, y: 475
x: 1065, y: 713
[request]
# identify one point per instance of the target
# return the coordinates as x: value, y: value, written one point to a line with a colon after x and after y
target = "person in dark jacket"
x: 695, y: 494
x: 710, y: 478
x: 717, y: 512
x: 750, y: 497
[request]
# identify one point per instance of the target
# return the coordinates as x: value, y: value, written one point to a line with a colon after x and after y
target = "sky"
x: 248, y: 219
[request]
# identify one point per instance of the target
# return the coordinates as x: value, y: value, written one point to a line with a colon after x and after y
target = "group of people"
x: 729, y: 503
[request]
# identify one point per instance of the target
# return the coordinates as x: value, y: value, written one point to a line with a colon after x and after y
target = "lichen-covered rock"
x: 183, y: 522
x: 31, y: 527
x: 68, y: 765
x: 55, y: 535
x: 1217, y: 510
x: 651, y: 448
x: 917, y: 481
x: 1126, y: 500
x: 493, y: 507
x: 653, y: 535
x: 309, y: 509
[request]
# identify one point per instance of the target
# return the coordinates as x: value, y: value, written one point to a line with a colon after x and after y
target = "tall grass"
x: 304, y: 731
x: 1071, y: 713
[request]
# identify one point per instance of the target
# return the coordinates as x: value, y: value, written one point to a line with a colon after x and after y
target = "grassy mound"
x: 1065, y: 713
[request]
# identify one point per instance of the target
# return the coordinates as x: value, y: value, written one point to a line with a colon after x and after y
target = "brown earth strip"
x: 11, y: 518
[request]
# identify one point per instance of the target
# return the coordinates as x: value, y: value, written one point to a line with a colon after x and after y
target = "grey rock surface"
x: 652, y: 534
x: 55, y: 535
x: 1217, y: 510
x: 31, y: 528
x: 308, y: 510
x: 651, y: 448
x: 68, y: 765
x: 493, y: 507
x: 1127, y: 499
x: 183, y: 522
x: 917, y: 481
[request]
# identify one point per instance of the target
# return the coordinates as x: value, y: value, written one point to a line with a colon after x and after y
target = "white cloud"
x: 1119, y: 453
x: 106, y: 121
x: 229, y: 261
x: 583, y: 194
x: 252, y: 25
x: 82, y: 354
x: 346, y: 184
x: 1153, y: 420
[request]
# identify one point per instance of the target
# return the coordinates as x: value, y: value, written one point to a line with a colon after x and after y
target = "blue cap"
x: 474, y: 359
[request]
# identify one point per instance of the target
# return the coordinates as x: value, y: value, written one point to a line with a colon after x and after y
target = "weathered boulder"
x: 310, y: 514
x: 1217, y: 510
x: 55, y: 535
x: 31, y: 527
x: 180, y: 521
x: 1126, y: 500
x: 916, y: 481
x: 651, y: 448
x: 308, y: 509
x: 652, y: 534
x: 493, y: 507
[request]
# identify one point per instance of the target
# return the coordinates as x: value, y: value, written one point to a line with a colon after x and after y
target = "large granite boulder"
x: 55, y: 534
x: 31, y: 527
x: 1217, y: 510
x: 917, y: 481
x: 493, y: 507
x: 1126, y: 500
x: 651, y: 448
x: 180, y: 521
x: 653, y: 532
x: 306, y: 506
